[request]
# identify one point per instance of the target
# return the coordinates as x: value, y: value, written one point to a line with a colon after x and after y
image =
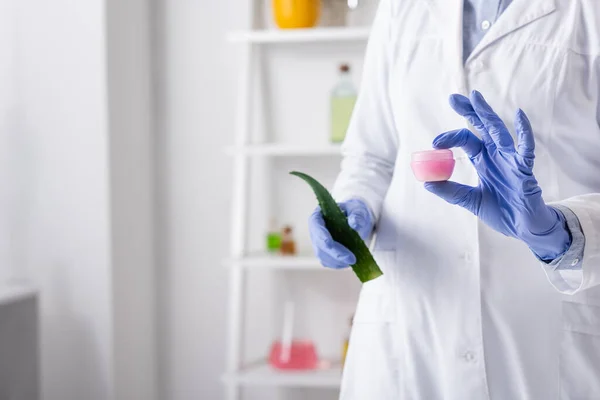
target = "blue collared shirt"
x: 478, y: 18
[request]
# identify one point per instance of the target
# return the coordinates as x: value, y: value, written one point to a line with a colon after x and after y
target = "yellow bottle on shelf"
x: 290, y: 14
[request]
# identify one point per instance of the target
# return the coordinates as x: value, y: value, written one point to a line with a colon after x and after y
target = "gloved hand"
x: 508, y: 197
x: 329, y: 252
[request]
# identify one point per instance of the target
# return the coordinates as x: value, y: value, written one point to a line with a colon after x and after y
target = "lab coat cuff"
x: 572, y: 259
x: 575, y: 270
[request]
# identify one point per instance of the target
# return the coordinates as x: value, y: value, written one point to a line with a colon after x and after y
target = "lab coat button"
x: 469, y: 356
x: 485, y: 25
x: 575, y: 262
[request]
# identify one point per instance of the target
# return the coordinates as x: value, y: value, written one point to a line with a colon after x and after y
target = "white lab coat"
x: 463, y: 312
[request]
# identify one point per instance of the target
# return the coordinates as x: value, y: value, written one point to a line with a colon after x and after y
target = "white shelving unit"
x: 264, y: 375
x: 267, y: 261
x: 300, y: 35
x: 285, y: 150
x: 241, y: 261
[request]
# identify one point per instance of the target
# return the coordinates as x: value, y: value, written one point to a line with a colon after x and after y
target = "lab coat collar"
x: 518, y: 14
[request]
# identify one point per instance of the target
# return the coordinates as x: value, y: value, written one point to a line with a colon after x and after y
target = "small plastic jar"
x: 432, y: 165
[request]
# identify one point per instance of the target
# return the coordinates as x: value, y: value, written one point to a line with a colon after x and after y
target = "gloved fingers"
x: 493, y: 123
x: 356, y: 220
x: 318, y: 230
x: 359, y: 221
x: 335, y: 256
x: 463, y: 107
x: 456, y: 193
x: 330, y: 262
x: 462, y: 138
x: 526, y: 146
x: 359, y: 217
x: 347, y: 207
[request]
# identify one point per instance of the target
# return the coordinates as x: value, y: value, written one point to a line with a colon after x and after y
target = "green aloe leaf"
x: 336, y: 222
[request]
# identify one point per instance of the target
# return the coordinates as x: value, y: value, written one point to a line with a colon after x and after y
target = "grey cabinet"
x: 19, y: 344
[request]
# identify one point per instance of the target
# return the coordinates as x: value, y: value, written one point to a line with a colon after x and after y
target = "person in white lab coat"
x: 491, y: 283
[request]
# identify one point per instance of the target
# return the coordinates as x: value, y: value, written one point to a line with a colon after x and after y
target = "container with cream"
x: 432, y: 165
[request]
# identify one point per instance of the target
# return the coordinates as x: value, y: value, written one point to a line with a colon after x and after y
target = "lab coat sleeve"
x: 371, y: 145
x: 571, y: 281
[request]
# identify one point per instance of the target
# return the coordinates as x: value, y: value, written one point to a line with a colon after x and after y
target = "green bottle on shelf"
x: 343, y: 99
x: 273, y: 238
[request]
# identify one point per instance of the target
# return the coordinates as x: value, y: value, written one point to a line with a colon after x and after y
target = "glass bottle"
x: 273, y: 238
x: 334, y: 12
x: 343, y: 99
x: 288, y: 245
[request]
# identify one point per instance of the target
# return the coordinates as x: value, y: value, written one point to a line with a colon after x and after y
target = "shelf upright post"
x: 239, y: 211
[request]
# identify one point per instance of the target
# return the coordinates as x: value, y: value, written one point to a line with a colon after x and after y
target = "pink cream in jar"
x: 432, y: 165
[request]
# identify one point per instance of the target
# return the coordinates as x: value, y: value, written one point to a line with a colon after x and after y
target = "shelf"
x: 311, y: 35
x: 275, y: 261
x: 265, y: 375
x: 286, y: 150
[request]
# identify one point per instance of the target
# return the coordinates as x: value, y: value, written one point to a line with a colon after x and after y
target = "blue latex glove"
x: 331, y: 253
x: 508, y: 197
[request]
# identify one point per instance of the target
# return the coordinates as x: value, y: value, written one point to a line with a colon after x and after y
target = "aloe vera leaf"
x: 337, y: 224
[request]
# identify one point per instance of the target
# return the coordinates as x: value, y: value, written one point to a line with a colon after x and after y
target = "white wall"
x: 132, y: 198
x: 76, y: 189
x: 8, y: 73
x: 60, y: 177
x: 196, y: 102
